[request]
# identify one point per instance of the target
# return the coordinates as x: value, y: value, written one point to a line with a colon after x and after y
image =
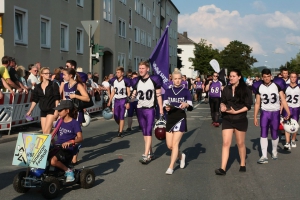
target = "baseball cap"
x: 64, y: 104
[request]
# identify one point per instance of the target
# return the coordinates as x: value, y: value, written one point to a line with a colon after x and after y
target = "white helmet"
x: 290, y: 125
x: 107, y: 113
x: 87, y: 119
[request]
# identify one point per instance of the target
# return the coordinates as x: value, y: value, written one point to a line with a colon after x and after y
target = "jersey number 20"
x: 148, y: 94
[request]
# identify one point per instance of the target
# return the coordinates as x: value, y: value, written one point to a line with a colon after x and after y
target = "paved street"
x: 119, y: 175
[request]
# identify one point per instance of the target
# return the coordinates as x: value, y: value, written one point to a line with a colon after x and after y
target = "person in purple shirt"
x: 198, y: 85
x: 184, y: 82
x: 69, y: 133
x: 72, y: 64
x: 120, y: 93
x: 176, y: 100
x: 214, y: 89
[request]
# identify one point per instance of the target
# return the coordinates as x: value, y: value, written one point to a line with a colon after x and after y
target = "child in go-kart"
x: 68, y: 134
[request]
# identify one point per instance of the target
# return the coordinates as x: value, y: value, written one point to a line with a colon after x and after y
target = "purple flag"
x: 159, y: 58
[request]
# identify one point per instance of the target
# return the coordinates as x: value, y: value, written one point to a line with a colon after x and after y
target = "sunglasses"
x: 216, y: 76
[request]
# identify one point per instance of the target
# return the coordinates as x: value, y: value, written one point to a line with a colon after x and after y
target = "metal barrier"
x: 13, y: 109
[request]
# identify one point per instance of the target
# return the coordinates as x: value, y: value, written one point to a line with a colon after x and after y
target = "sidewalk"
x: 4, y: 137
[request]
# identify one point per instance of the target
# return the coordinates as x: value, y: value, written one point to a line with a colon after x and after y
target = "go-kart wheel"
x: 50, y: 187
x: 87, y: 178
x: 19, y: 182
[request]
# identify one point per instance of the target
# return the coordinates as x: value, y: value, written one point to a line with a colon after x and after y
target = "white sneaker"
x: 182, y: 161
x: 293, y: 143
x: 274, y: 156
x: 287, y: 146
x: 263, y: 160
x: 169, y: 171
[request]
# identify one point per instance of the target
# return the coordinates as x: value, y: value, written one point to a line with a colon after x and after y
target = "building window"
x: 122, y: 28
x: 80, y: 3
x: 149, y: 40
x: 137, y: 6
x: 21, y: 26
x: 121, y: 60
x: 107, y: 10
x: 157, y: 22
x: 64, y: 37
x: 123, y: 1
x: 136, y: 61
x: 130, y: 19
x: 143, y: 42
x: 129, y: 49
x: 79, y: 41
x: 137, y: 34
x: 149, y: 15
x: 45, y: 32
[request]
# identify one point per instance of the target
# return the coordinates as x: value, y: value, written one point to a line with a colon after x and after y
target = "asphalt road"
x: 119, y: 175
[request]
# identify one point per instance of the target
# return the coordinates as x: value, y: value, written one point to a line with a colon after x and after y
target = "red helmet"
x: 160, y: 129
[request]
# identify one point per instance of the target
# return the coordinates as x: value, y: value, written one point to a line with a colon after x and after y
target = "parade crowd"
x: 146, y: 96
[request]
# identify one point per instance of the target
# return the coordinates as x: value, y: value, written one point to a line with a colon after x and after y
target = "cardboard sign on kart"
x: 32, y: 150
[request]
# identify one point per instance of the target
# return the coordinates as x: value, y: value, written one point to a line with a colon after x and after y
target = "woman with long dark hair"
x: 236, y: 100
x: 73, y: 84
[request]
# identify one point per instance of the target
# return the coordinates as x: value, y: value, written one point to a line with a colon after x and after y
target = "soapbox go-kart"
x: 49, y: 179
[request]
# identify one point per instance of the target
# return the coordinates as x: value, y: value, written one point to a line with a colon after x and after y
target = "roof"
x: 174, y: 6
x: 181, y: 39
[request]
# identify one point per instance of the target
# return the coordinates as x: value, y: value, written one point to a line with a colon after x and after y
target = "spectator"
x: 21, y: 74
x: 89, y: 83
x: 5, y: 75
x: 106, y: 93
x: 33, y: 78
x: 27, y: 73
x: 56, y: 75
x: 96, y: 77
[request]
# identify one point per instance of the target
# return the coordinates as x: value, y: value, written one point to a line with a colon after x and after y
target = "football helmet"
x: 107, y: 113
x: 160, y: 129
x: 290, y: 125
x: 87, y: 119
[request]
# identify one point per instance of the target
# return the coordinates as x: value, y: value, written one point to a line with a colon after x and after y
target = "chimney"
x: 185, y: 34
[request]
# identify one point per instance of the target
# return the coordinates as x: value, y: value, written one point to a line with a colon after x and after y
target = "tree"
x: 203, y: 54
x: 236, y: 55
x: 293, y: 65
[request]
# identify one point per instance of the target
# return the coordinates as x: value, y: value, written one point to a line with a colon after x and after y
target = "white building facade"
x: 187, y: 46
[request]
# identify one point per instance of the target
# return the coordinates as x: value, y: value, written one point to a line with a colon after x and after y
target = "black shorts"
x: 240, y: 125
x: 63, y: 155
x: 45, y: 113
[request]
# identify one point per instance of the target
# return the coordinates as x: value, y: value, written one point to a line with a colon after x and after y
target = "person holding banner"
x: 214, y: 89
x: 47, y: 95
x: 147, y: 89
x: 176, y: 101
x: 69, y: 133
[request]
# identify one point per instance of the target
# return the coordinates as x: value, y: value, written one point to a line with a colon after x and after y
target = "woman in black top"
x: 236, y: 100
x: 47, y: 95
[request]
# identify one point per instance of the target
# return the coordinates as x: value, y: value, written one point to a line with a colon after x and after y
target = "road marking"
x: 196, y: 105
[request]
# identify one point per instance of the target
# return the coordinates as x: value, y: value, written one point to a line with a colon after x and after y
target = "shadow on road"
x: 95, y: 153
x: 234, y: 155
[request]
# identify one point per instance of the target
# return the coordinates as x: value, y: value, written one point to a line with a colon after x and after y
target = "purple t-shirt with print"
x: 215, y: 89
x: 67, y: 131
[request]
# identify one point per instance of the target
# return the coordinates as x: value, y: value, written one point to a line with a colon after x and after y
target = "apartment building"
x: 129, y: 31
x: 49, y: 32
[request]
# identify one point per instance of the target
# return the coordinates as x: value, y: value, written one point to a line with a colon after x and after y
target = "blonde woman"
x: 47, y: 95
x: 177, y: 99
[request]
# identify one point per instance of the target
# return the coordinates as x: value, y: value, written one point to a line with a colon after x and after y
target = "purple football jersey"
x: 198, y: 85
x: 215, y: 89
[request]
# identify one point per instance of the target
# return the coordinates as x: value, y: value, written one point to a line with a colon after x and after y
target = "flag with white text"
x: 159, y: 58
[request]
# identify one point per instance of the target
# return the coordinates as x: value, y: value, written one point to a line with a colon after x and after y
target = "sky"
x: 266, y: 26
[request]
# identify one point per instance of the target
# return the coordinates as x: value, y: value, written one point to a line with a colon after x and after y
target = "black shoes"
x: 220, y: 172
x: 120, y: 135
x: 242, y: 169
